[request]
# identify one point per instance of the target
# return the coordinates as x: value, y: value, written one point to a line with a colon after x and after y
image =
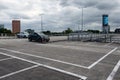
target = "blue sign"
x: 105, y: 20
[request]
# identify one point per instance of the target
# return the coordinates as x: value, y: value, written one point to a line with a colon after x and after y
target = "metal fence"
x: 94, y: 37
x: 7, y: 36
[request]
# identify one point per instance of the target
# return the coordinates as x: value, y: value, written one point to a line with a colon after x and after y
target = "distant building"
x: 1, y: 26
x: 15, y: 26
x: 117, y: 30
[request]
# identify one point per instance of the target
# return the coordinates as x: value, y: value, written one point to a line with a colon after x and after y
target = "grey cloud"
x: 3, y: 7
x: 107, y: 5
x: 64, y: 2
x: 114, y: 18
x: 100, y: 4
x: 79, y: 3
x: 17, y: 15
x: 85, y: 3
x: 61, y: 14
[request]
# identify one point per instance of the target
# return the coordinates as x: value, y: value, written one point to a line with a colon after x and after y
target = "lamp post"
x: 82, y: 21
x: 41, y: 22
x: 81, y: 26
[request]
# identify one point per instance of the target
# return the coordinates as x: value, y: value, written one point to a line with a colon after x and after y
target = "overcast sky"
x: 59, y: 15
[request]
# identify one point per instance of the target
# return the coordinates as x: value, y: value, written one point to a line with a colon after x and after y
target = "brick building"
x: 15, y: 26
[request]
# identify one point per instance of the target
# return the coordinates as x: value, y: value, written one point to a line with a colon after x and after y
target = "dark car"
x: 38, y: 37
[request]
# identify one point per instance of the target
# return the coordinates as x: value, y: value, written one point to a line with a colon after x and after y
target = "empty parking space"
x: 117, y: 75
x: 114, y: 71
x: 84, y: 58
x: 23, y: 69
x: 40, y: 73
x: 12, y: 65
x: 62, y: 60
x: 72, y: 57
x: 2, y: 57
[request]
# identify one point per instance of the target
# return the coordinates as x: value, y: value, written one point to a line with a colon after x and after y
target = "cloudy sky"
x: 58, y: 15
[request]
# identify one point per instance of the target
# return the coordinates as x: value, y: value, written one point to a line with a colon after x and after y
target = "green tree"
x: 68, y: 31
x: 29, y: 31
x: 47, y: 32
x: 4, y: 30
x: 94, y: 31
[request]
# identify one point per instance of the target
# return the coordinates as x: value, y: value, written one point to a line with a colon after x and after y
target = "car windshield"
x: 41, y: 34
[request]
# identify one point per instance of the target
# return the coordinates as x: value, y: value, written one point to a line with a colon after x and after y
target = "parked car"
x: 39, y: 37
x: 22, y: 35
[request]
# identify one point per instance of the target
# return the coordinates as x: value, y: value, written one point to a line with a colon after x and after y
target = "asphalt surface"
x: 63, y: 60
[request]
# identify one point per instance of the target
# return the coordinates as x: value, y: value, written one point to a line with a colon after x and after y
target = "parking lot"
x: 63, y: 60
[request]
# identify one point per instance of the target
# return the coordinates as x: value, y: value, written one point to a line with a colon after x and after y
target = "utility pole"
x: 41, y: 22
x: 82, y: 21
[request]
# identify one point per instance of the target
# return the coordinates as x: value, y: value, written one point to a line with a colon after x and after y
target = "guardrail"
x: 8, y: 37
x: 94, y: 37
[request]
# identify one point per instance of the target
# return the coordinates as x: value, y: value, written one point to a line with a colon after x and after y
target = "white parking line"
x: 5, y: 59
x: 46, y: 66
x: 89, y: 67
x: 92, y: 65
x: 16, y: 72
x: 112, y: 74
x: 68, y: 63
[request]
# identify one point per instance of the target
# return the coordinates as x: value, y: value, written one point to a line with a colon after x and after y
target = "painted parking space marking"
x: 3, y: 56
x: 5, y: 59
x: 19, y: 71
x: 46, y: 66
x: 89, y: 67
x: 92, y: 65
x: 112, y: 74
x: 68, y: 63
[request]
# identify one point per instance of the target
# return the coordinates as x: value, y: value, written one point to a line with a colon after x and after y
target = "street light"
x: 81, y: 25
x: 41, y: 22
x: 82, y: 20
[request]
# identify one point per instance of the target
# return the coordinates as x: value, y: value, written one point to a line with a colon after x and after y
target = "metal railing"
x: 7, y: 36
x: 94, y: 37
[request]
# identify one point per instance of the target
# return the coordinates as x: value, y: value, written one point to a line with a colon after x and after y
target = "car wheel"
x: 30, y: 39
x: 41, y: 41
x: 47, y: 40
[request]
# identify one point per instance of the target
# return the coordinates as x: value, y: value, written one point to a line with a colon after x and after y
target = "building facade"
x: 15, y: 26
